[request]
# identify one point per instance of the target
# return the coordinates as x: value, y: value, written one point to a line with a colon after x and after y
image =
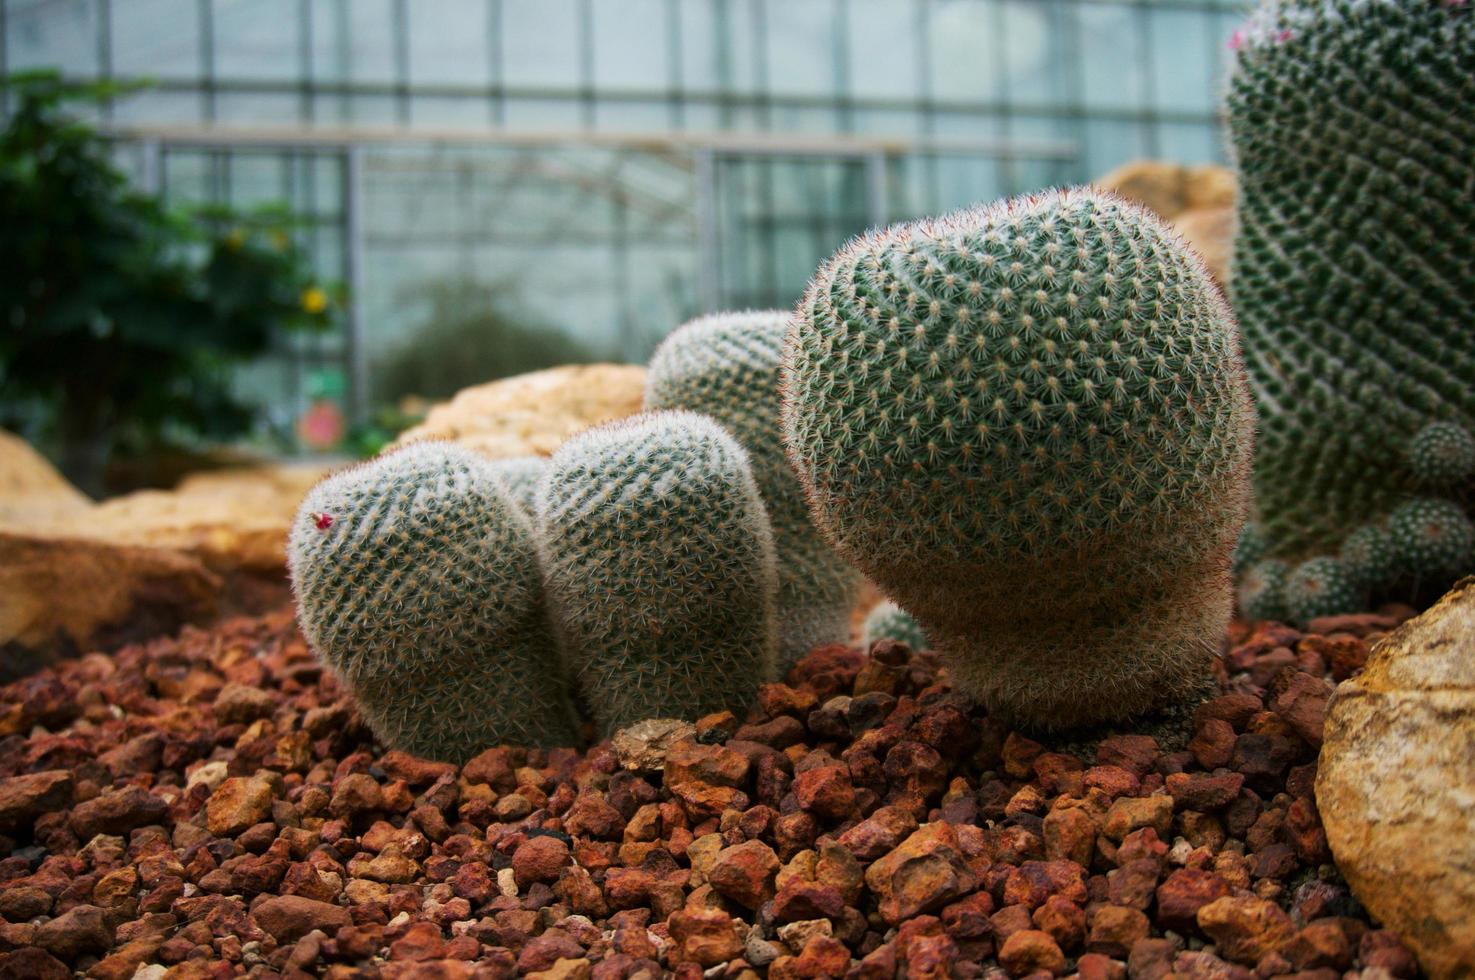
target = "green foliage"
x: 727, y: 367
x: 1354, y: 268
x: 890, y: 621
x: 1262, y: 590
x: 659, y: 564
x: 1029, y: 424
x: 418, y: 582
x: 1320, y: 586
x: 120, y: 317
x: 469, y: 336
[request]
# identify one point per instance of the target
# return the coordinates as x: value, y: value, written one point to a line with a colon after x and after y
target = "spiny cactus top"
x: 727, y: 366
x: 1029, y: 424
x: 522, y: 475
x: 660, y: 565
x: 1354, y: 269
x: 417, y: 582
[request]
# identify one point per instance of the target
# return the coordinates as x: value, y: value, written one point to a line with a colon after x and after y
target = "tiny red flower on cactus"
x: 323, y: 521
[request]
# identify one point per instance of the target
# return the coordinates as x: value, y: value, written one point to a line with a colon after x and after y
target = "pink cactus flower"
x: 1236, y: 40
x: 323, y: 521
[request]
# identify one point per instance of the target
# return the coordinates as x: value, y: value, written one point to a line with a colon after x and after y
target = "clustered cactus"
x: 889, y: 621
x: 1354, y: 281
x: 417, y: 580
x: 1029, y: 424
x: 727, y: 367
x: 660, y: 566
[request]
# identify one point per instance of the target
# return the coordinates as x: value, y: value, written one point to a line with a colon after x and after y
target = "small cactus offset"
x: 727, y: 367
x: 659, y: 563
x: 1029, y: 424
x: 522, y: 474
x: 889, y: 621
x: 1354, y: 267
x: 417, y: 583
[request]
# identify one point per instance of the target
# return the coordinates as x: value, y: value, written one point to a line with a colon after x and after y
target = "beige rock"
x: 531, y: 414
x: 31, y: 489
x: 1394, y: 783
x: 1171, y: 188
x: 1211, y: 233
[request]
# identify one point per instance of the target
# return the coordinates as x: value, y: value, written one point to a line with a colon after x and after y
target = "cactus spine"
x: 659, y: 562
x: 417, y: 582
x: 727, y: 367
x: 1029, y: 424
x: 522, y: 474
x: 889, y: 621
x: 1354, y: 267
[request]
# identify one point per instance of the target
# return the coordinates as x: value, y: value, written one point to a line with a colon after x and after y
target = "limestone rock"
x: 30, y: 487
x: 1171, y: 188
x: 1210, y: 231
x: 1394, y: 783
x: 531, y: 414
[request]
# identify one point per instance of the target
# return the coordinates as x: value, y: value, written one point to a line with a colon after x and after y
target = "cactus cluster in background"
x: 1029, y: 424
x: 727, y: 366
x: 417, y: 582
x: 659, y: 565
x: 1354, y: 281
x: 889, y: 621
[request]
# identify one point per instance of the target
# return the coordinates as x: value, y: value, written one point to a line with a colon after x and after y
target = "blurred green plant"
x: 122, y: 318
x: 469, y: 335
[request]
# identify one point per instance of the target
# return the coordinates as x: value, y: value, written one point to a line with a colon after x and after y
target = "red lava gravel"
x: 210, y: 805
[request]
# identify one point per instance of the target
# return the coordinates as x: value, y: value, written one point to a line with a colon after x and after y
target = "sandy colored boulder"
x: 1210, y: 231
x: 1171, y: 188
x: 531, y: 414
x: 31, y: 489
x: 1396, y: 788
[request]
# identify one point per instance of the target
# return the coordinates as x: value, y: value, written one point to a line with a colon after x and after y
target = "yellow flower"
x: 314, y: 300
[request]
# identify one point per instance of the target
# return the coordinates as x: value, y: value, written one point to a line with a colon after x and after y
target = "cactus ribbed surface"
x: 727, y: 366
x: 659, y: 563
x: 1029, y: 424
x: 522, y: 475
x: 889, y: 621
x: 417, y: 582
x: 1354, y: 267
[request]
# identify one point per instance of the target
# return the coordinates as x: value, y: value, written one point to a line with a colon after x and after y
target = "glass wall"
x: 602, y: 169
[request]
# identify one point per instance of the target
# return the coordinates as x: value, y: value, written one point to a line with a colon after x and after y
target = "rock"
x: 241, y: 704
x: 1183, y: 893
x: 32, y: 963
x: 539, y: 859
x: 84, y: 929
x: 531, y: 414
x: 924, y: 873
x: 1031, y: 951
x: 117, y: 812
x: 643, y: 746
x: 23, y: 798
x: 1245, y: 928
x: 706, y: 936
x: 1134, y: 813
x: 290, y: 917
x: 825, y: 791
x: 241, y: 802
x: 1170, y: 189
x: 31, y: 489
x: 744, y: 873
x: 1210, y: 232
x: 1393, y: 782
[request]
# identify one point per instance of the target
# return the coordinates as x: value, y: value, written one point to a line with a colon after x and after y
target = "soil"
x: 209, y: 804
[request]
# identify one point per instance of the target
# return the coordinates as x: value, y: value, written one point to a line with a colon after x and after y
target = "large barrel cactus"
x: 1029, y: 424
x: 1354, y: 273
x: 417, y: 582
x: 726, y: 366
x: 659, y: 562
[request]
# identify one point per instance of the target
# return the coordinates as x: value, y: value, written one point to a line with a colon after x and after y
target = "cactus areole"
x: 1029, y: 424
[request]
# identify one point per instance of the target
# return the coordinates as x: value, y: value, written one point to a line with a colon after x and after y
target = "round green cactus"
x: 727, y: 367
x: 1371, y: 559
x: 417, y: 582
x: 1262, y: 590
x: 522, y: 475
x: 1434, y: 537
x: 1354, y: 265
x: 1320, y: 586
x: 659, y: 562
x: 1251, y: 548
x: 1029, y: 424
x: 889, y: 621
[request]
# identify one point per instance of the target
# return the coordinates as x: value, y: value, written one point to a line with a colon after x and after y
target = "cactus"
x: 659, y: 563
x: 417, y: 582
x: 1370, y: 558
x: 889, y: 621
x: 1319, y: 586
x: 727, y: 367
x: 522, y: 475
x: 1250, y: 549
x: 1029, y: 424
x: 1354, y: 267
x: 1432, y: 536
x: 1262, y: 592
